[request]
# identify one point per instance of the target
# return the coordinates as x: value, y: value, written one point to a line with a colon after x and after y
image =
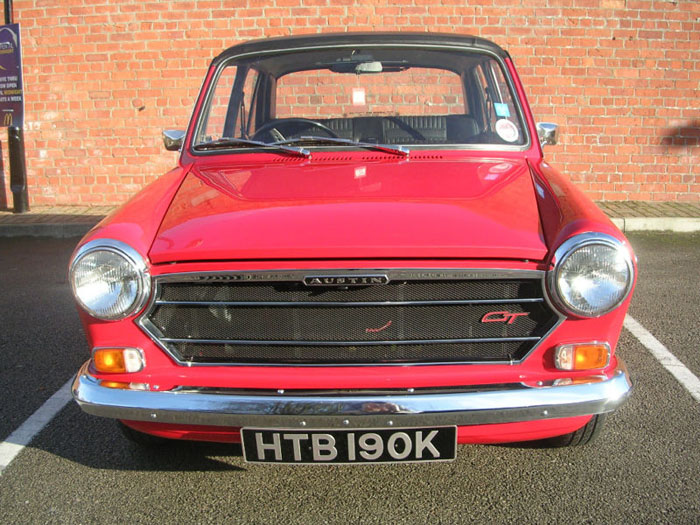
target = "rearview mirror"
x: 548, y: 133
x: 368, y: 67
x: 173, y: 138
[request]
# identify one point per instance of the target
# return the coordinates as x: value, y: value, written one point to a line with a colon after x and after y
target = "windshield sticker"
x: 507, y: 130
x: 501, y: 110
x: 358, y: 96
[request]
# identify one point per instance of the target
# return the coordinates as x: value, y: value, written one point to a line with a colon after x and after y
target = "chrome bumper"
x: 512, y: 403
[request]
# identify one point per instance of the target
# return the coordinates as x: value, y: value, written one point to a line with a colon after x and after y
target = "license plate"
x: 385, y: 445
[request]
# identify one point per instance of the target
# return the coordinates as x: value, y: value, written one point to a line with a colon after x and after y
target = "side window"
x: 246, y: 113
x: 488, y: 114
x: 226, y: 105
x: 504, y: 107
x: 498, y: 112
x: 218, y: 107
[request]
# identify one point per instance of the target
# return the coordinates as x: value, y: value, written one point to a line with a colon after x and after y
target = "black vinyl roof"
x: 334, y: 39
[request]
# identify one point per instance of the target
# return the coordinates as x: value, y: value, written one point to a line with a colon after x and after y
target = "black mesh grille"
x: 334, y: 323
x: 290, y: 323
x: 352, y: 354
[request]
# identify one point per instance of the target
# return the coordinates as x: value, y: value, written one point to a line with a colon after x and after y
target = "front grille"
x: 253, y: 318
x: 387, y: 353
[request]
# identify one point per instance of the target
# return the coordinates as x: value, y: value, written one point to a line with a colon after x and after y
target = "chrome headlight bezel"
x: 566, y: 250
x: 128, y: 254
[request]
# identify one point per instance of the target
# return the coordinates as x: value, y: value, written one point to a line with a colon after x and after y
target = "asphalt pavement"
x: 645, y: 467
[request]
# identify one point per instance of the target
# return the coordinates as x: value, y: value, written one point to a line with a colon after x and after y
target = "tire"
x: 142, y: 439
x: 584, y: 435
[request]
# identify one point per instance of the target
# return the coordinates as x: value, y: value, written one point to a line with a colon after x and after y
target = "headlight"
x: 110, y: 280
x: 593, y: 274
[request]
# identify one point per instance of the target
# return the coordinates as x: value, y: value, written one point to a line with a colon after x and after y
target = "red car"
x: 362, y: 256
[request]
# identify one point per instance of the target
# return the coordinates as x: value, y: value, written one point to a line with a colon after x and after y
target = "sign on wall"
x: 11, y: 94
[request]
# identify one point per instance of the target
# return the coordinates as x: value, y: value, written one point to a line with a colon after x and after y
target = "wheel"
x: 586, y: 434
x: 287, y: 125
x: 142, y: 439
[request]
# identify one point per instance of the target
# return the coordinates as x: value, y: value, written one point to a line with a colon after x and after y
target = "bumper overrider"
x: 509, y: 403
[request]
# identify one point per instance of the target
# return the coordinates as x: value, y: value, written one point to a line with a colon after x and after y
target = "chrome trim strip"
x: 521, y: 403
x: 258, y: 342
x: 299, y: 304
x: 398, y: 274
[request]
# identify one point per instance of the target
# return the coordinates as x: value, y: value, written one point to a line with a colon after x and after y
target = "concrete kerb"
x: 670, y: 224
x: 55, y: 228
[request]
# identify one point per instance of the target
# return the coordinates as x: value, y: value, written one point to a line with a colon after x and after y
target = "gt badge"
x: 501, y: 317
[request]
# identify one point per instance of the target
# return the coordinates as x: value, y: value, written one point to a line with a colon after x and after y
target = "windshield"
x: 373, y: 95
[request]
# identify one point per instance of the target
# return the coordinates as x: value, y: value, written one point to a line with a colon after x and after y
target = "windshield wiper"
x: 396, y: 150
x: 228, y: 142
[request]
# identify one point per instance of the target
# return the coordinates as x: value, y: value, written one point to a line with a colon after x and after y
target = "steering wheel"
x: 273, y: 128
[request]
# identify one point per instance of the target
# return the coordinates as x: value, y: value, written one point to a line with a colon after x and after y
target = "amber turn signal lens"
x: 117, y: 360
x: 584, y: 356
x: 585, y: 380
x: 123, y: 385
x: 115, y: 384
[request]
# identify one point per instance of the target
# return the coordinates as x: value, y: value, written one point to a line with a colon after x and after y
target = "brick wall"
x: 103, y: 79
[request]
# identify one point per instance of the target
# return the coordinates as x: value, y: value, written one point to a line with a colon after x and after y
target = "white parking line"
x: 669, y: 361
x: 21, y: 437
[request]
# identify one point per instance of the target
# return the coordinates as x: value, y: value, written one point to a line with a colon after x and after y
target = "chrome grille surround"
x: 168, y: 344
